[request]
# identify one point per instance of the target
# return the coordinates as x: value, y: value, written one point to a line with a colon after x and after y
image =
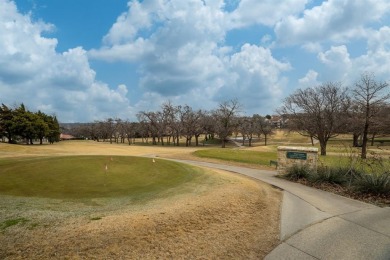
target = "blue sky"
x: 86, y: 60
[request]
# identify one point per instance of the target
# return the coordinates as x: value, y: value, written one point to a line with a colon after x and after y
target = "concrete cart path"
x: 320, y: 225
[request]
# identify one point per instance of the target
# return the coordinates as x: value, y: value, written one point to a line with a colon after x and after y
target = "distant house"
x: 64, y: 137
x: 279, y: 121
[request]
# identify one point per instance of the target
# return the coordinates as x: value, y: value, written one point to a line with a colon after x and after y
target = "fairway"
x: 74, y: 177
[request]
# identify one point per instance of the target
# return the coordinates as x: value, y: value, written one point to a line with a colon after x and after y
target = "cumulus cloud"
x: 266, y: 12
x: 180, y: 49
x: 309, y: 80
x: 377, y: 57
x: 332, y: 20
x: 255, y: 73
x: 340, y: 66
x: 32, y: 72
x: 338, y: 62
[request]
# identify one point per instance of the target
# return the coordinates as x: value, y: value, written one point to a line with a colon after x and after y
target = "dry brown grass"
x: 229, y: 217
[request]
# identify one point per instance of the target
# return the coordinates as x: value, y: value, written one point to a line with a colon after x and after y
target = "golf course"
x: 86, y: 199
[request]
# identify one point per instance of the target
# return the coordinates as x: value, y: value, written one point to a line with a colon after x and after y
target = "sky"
x: 86, y: 60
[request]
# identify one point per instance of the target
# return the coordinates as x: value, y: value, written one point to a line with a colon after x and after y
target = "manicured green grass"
x: 234, y: 155
x: 75, y: 177
x: 333, y: 160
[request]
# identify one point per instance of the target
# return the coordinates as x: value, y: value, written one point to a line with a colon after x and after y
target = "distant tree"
x: 7, y: 122
x: 24, y: 124
x: 265, y: 127
x: 119, y: 133
x: 198, y: 125
x: 157, y: 124
x: 191, y: 124
x: 208, y: 124
x: 224, y: 119
x: 54, y: 129
x: 381, y: 123
x: 247, y: 128
x: 41, y: 126
x: 130, y: 130
x: 355, y: 123
x: 318, y: 112
x: 370, y: 95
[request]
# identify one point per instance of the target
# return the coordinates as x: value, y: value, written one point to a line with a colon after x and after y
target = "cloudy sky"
x: 87, y: 60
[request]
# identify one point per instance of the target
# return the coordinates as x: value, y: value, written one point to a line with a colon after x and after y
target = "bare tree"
x: 318, y: 112
x: 170, y: 115
x: 380, y: 124
x: 143, y: 127
x: 248, y: 127
x: 355, y: 123
x: 265, y: 127
x: 191, y: 124
x: 208, y: 125
x: 370, y: 95
x: 130, y: 131
x: 157, y: 122
x: 224, y: 116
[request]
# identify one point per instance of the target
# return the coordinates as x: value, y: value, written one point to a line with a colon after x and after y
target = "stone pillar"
x: 289, y: 156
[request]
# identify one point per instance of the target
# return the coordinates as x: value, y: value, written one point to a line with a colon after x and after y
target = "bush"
x: 297, y: 172
x: 333, y: 175
x: 375, y: 183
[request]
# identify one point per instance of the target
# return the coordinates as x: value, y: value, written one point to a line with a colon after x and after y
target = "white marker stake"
x: 154, y: 160
x: 106, y: 168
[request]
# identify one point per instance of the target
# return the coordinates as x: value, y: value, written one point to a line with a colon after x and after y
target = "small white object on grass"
x: 154, y: 160
x: 106, y: 167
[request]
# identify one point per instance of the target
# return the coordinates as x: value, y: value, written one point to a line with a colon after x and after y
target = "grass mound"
x: 75, y: 177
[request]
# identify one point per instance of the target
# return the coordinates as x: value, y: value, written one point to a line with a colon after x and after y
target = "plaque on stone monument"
x: 296, y: 155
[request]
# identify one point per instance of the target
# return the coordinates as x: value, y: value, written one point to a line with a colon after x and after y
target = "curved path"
x: 320, y: 225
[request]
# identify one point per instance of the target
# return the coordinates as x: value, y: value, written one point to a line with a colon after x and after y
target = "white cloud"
x: 182, y: 55
x: 266, y: 12
x: 340, y: 66
x: 336, y: 20
x: 310, y: 79
x: 32, y: 72
x: 379, y: 40
x: 337, y: 56
x: 129, y: 23
x: 128, y: 52
x: 377, y: 58
x: 338, y: 62
x: 255, y: 73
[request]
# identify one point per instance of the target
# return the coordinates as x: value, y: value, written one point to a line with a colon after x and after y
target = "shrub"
x: 297, y: 172
x: 375, y: 183
x: 333, y: 175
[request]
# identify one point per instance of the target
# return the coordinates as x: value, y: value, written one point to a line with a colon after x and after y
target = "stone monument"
x: 289, y: 156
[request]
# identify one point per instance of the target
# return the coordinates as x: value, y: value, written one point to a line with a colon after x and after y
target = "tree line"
x: 169, y: 124
x: 21, y: 124
x: 320, y: 112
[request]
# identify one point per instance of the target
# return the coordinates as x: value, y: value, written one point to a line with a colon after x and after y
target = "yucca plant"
x: 333, y: 175
x: 375, y: 183
x: 297, y: 172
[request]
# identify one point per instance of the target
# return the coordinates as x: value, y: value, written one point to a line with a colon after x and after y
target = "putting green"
x: 76, y: 177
